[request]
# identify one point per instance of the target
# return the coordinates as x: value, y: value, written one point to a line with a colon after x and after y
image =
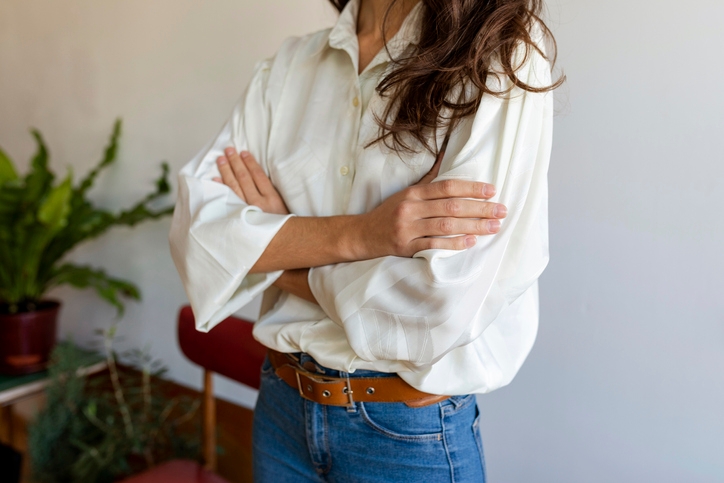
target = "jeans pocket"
x: 454, y: 404
x: 400, y: 422
x: 479, y: 440
x: 266, y: 367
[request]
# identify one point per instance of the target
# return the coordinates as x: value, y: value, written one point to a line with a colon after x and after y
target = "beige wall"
x: 625, y: 381
x: 172, y: 69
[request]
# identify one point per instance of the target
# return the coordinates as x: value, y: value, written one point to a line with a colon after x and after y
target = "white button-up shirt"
x: 448, y: 322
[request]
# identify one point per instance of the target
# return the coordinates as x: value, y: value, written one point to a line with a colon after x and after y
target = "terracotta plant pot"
x: 27, y: 338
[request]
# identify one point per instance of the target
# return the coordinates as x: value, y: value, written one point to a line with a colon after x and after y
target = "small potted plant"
x: 39, y: 223
x: 119, y: 422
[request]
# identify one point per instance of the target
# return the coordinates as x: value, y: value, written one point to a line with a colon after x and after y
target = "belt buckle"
x: 297, y: 371
x: 347, y: 389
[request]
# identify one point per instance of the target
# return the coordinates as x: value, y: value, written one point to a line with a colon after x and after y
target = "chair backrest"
x: 228, y: 349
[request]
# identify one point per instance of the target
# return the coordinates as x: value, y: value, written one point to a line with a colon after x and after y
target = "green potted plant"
x: 39, y: 223
x: 101, y: 428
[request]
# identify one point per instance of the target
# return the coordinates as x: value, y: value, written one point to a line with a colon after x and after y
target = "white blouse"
x: 448, y: 322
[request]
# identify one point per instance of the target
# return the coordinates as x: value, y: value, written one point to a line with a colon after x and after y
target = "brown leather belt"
x: 342, y: 391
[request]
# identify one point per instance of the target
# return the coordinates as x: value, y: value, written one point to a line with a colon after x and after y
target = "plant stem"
x: 146, y: 384
x: 146, y: 394
x: 117, y: 389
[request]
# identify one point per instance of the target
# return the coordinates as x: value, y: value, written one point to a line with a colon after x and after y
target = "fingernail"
x: 245, y: 154
x: 229, y: 151
x: 493, y: 225
x: 500, y: 211
x: 221, y: 160
x: 469, y: 241
x: 489, y: 190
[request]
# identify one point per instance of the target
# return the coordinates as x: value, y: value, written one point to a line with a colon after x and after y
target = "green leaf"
x: 40, y: 160
x: 108, y: 157
x: 86, y: 222
x: 7, y: 170
x: 39, y: 179
x: 40, y: 223
x: 140, y: 211
x: 162, y: 185
x: 109, y: 289
x: 54, y: 211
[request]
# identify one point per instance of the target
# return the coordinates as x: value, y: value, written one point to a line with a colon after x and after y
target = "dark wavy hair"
x: 461, y: 42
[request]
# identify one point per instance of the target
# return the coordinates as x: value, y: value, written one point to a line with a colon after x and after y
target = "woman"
x: 383, y: 183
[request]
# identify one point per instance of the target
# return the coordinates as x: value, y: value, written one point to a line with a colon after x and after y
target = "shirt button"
x: 344, y: 170
x: 355, y: 101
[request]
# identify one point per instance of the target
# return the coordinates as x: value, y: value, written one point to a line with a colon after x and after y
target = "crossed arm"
x: 402, y: 225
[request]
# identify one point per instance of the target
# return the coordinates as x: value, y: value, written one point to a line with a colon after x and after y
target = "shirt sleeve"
x: 215, y: 237
x: 416, y: 310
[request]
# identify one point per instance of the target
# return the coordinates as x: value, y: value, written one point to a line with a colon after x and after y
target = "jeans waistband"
x: 311, y: 364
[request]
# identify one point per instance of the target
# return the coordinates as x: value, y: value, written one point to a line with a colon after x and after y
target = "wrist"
x: 279, y: 282
x: 351, y: 238
x: 296, y: 283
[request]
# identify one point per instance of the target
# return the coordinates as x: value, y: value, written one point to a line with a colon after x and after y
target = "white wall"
x: 625, y: 381
x: 172, y: 69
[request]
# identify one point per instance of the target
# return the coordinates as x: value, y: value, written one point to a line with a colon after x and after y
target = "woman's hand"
x: 408, y: 221
x: 423, y: 216
x: 242, y: 173
x: 247, y: 179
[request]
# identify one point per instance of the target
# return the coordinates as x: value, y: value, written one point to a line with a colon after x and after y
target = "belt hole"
x: 326, y: 393
x: 345, y: 390
x: 370, y: 390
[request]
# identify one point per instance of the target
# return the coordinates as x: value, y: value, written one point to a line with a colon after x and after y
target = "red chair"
x: 230, y: 350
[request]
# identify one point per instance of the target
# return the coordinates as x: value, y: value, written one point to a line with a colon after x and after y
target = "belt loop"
x: 351, y: 407
x: 299, y: 384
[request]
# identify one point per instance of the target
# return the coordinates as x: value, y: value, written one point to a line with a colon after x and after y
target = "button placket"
x: 347, y: 169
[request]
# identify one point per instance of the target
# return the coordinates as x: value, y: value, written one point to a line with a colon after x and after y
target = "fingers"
x: 452, y: 188
x: 452, y: 243
x: 242, y: 174
x: 458, y: 208
x: 228, y: 177
x: 456, y: 226
x: 261, y: 180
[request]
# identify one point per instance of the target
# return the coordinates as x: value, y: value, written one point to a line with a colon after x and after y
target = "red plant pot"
x: 27, y: 338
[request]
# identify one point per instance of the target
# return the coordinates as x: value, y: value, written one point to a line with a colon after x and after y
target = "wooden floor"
x: 234, y: 435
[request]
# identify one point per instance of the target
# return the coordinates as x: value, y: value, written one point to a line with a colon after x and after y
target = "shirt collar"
x: 344, y: 33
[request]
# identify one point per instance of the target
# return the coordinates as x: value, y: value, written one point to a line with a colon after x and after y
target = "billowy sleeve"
x: 215, y: 237
x: 416, y: 310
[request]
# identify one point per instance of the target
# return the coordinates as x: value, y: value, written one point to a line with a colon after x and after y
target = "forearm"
x: 417, y: 218
x: 305, y: 242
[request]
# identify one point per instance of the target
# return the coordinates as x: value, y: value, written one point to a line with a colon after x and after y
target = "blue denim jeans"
x: 298, y: 441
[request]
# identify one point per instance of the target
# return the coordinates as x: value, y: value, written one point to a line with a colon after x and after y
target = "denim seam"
x: 327, y: 453
x: 465, y: 403
x: 444, y: 443
x: 268, y: 371
x: 308, y: 431
x: 428, y: 437
x: 478, y: 442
